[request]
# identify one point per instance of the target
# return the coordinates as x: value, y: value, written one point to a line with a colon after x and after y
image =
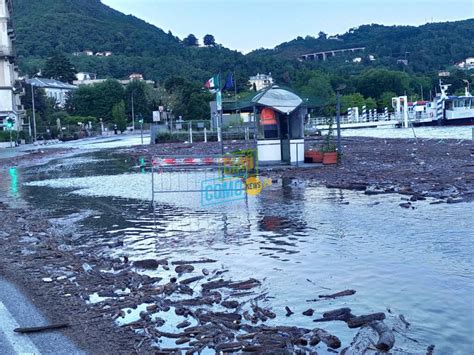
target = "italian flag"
x: 212, y: 83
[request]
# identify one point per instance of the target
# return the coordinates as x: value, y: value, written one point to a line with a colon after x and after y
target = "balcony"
x: 11, y: 30
x: 7, y: 52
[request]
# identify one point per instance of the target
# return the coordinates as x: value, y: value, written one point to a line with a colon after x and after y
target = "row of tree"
x: 192, y: 41
x: 185, y: 98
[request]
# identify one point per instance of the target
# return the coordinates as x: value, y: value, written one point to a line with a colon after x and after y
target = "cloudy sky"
x: 252, y: 24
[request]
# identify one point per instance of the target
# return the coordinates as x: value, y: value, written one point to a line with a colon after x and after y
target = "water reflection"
x: 14, y: 181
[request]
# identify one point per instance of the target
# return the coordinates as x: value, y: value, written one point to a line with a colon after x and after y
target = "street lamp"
x: 133, y: 111
x: 140, y: 117
x: 338, y: 116
x: 33, y: 109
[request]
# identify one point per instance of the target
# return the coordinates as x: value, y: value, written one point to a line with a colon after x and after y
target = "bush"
x: 75, y: 120
x: 5, y: 136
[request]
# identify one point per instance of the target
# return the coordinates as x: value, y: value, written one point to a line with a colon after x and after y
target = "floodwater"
x: 445, y: 132
x: 300, y: 241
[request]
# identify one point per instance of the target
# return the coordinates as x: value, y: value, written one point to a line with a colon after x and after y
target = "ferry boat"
x: 446, y: 110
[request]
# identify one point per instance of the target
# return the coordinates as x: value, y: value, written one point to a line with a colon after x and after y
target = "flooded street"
x: 301, y: 241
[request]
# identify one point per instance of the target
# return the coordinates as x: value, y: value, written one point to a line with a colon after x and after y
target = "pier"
x: 348, y: 122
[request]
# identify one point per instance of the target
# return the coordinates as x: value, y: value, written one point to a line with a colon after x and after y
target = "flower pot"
x: 314, y: 155
x: 330, y: 158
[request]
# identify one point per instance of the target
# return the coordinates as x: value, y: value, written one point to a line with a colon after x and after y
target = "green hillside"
x: 77, y: 25
x: 429, y: 47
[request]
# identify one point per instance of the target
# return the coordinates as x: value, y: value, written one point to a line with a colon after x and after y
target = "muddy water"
x: 302, y: 241
x: 447, y: 132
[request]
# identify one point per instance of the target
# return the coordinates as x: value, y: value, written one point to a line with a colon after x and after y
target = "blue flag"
x: 229, y: 83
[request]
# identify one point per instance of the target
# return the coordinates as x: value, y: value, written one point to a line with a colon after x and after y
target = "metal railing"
x: 379, y: 117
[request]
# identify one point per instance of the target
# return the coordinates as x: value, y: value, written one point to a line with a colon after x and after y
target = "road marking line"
x: 21, y: 344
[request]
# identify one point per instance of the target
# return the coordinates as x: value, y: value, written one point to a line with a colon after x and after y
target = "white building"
x: 53, y: 88
x: 261, y: 81
x: 10, y: 89
x: 81, y: 76
x: 91, y: 79
x: 467, y: 63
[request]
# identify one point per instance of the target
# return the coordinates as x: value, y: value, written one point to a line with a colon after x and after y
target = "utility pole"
x: 133, y: 112
x: 141, y: 126
x: 33, y: 108
x: 338, y: 116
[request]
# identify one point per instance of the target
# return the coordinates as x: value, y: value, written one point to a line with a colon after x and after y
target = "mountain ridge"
x: 76, y: 25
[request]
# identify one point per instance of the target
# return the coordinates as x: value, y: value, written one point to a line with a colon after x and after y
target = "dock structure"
x: 353, y: 122
x: 332, y: 53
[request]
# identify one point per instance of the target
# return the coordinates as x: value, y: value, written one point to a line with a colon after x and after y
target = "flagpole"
x: 220, y: 117
x: 235, y: 91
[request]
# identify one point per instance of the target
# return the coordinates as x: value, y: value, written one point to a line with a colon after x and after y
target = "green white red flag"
x: 213, y: 83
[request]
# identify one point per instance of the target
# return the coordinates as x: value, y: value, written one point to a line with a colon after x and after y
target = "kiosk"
x: 279, y: 119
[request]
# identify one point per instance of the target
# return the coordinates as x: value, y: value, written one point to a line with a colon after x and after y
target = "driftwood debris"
x: 181, y: 269
x: 386, y: 337
x: 151, y: 264
x: 330, y: 340
x: 309, y: 312
x: 359, y: 321
x: 242, y: 285
x: 363, y: 340
x: 230, y: 304
x: 183, y: 324
x: 336, y: 312
x: 338, y: 294
x: 201, y: 261
x: 404, y: 321
x: 341, y: 314
x: 170, y: 335
x: 27, y: 330
x: 430, y: 350
x: 191, y: 280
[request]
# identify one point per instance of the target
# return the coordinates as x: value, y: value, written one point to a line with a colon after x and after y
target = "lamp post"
x: 33, y: 109
x: 140, y: 118
x: 133, y: 111
x: 338, y: 116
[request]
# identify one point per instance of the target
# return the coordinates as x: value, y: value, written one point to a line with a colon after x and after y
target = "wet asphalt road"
x: 17, y: 311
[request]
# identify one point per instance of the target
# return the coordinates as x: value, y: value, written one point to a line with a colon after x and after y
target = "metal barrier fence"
x: 217, y: 179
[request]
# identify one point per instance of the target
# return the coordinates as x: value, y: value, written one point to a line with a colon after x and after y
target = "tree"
x: 373, y: 81
x: 59, y: 67
x: 316, y: 87
x: 370, y: 103
x: 118, y: 114
x: 96, y: 100
x: 209, y: 40
x: 352, y: 100
x: 141, y: 99
x: 191, y: 41
x: 385, y: 99
x: 43, y: 104
x: 322, y: 35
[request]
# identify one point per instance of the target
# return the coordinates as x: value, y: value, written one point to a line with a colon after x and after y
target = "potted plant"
x: 328, y: 148
x: 315, y: 156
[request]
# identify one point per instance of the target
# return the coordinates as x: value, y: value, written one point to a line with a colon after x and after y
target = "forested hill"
x: 428, y: 47
x: 76, y: 25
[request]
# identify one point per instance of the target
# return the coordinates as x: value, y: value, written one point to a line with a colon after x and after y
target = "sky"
x: 246, y: 25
